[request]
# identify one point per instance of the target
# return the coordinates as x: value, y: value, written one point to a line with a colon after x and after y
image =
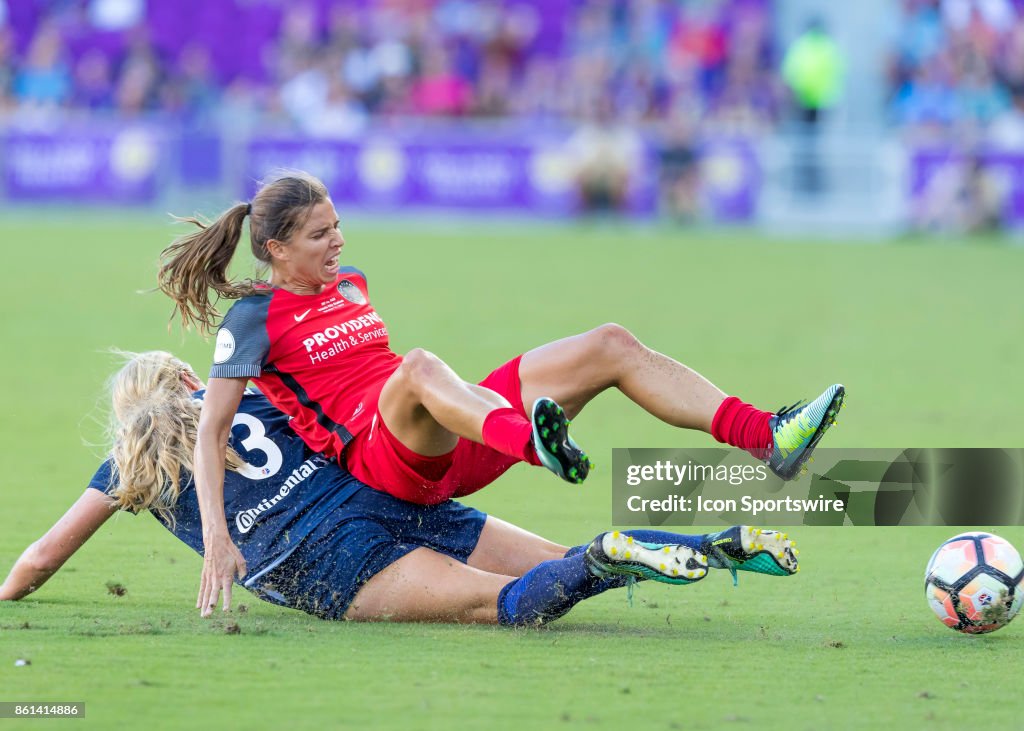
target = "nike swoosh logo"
x: 300, y: 318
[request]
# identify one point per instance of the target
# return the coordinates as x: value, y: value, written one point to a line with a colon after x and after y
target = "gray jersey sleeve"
x: 242, y: 340
x: 354, y: 270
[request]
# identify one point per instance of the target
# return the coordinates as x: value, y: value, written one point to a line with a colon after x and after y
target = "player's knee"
x: 612, y: 341
x: 419, y: 368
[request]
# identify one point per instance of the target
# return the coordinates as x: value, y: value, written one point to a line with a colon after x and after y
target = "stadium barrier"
x: 512, y: 170
x: 438, y: 167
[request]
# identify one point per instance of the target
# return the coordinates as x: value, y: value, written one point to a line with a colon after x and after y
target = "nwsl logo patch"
x: 351, y: 292
x: 225, y: 346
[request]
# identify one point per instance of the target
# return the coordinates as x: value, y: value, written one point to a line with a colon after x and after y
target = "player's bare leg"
x: 426, y: 406
x: 574, y: 370
x: 426, y: 586
x: 507, y: 549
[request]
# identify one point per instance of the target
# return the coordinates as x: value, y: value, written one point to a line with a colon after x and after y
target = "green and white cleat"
x: 555, y: 448
x: 797, y: 431
x: 745, y: 548
x: 619, y: 554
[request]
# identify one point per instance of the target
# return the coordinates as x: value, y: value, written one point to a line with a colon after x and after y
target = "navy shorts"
x: 367, y: 534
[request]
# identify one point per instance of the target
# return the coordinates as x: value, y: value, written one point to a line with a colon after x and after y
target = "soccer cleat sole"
x: 828, y: 421
x: 618, y: 553
x: 760, y: 551
x: 555, y: 448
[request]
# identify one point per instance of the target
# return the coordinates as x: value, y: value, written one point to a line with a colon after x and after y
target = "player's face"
x: 311, y: 258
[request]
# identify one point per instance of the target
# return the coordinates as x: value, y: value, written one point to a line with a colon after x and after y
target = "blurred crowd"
x: 327, y: 67
x: 609, y: 71
x: 958, y: 71
x: 957, y: 86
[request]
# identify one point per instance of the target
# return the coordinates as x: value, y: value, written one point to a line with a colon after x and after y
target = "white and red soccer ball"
x: 975, y: 582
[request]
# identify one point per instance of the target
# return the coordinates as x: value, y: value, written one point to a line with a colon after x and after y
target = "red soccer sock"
x: 509, y: 432
x: 741, y: 425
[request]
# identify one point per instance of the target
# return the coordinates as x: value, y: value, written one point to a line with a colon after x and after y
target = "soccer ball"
x: 975, y: 583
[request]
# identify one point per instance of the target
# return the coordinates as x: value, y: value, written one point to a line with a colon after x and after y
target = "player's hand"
x: 222, y: 562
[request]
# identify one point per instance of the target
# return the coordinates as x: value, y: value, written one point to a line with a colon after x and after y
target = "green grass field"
x: 926, y: 336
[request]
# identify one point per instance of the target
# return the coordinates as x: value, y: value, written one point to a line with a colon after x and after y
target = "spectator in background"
x: 116, y: 14
x: 1010, y: 60
x: 962, y: 196
x: 745, y: 105
x: 979, y: 99
x: 196, y: 81
x: 605, y: 154
x: 680, y: 166
x: 94, y: 81
x: 502, y: 59
x: 304, y: 95
x: 746, y: 100
x: 494, y: 87
x: 1007, y: 130
x: 957, y: 80
x: 542, y: 94
x: 959, y: 15
x: 328, y: 68
x: 298, y: 41
x: 925, y: 99
x: 438, y: 89
x: 44, y: 80
x: 7, y: 62
x: 921, y: 35
x: 957, y: 68
x: 430, y: 57
x: 813, y: 69
x: 379, y: 67
x: 342, y: 115
x: 140, y: 79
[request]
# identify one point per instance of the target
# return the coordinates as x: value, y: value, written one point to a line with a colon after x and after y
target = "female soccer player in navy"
x: 313, y: 538
x: 312, y: 341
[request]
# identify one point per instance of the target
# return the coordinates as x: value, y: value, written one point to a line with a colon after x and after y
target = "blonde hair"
x: 153, y: 427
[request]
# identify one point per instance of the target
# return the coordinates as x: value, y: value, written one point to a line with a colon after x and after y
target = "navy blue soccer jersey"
x: 280, y: 495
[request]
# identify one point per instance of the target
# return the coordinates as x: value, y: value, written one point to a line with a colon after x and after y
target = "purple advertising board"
x: 942, y: 176
x: 730, y: 180
x: 450, y: 168
x: 83, y: 164
x: 443, y: 171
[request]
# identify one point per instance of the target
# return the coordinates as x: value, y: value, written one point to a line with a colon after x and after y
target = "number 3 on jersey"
x: 257, y: 441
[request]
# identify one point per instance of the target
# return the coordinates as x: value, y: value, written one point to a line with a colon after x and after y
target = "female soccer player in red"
x: 312, y: 342
x: 313, y: 538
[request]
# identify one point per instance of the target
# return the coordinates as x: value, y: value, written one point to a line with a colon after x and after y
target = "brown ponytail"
x: 197, y: 263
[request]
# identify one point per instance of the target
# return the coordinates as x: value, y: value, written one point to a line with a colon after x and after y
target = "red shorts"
x: 377, y: 458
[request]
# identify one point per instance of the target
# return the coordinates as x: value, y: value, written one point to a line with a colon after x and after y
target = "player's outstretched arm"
x: 222, y: 560
x: 44, y: 558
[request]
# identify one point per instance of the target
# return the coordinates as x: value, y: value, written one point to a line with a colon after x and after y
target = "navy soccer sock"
x: 549, y: 590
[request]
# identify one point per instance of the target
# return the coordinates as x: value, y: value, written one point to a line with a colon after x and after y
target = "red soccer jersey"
x: 322, y: 359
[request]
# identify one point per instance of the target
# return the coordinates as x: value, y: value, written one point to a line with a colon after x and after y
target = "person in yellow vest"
x: 813, y: 69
